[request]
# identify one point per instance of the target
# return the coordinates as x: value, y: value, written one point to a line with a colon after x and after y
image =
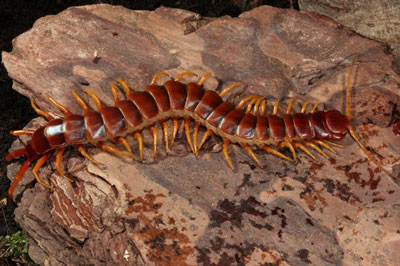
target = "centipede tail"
x: 247, y: 124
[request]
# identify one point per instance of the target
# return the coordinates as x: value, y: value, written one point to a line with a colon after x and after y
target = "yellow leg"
x: 243, y: 101
x: 315, y: 107
x: 263, y: 107
x: 315, y: 147
x: 205, y: 136
x: 247, y: 148
x: 227, y: 89
x: 276, y: 108
x: 195, y: 134
x: 109, y: 148
x: 276, y: 153
x: 80, y: 101
x: 181, y: 75
x: 175, y: 127
x: 21, y: 132
x: 303, y: 109
x: 40, y: 112
x: 157, y: 75
x: 87, y: 156
x: 250, y: 105
x: 124, y: 86
x: 323, y: 144
x: 61, y: 107
x: 36, y: 168
x: 166, y: 136
x: 155, y: 140
x: 121, y: 140
x: 303, y: 148
x: 139, y: 139
x: 226, y: 155
x: 114, y: 92
x: 95, y: 99
x: 257, y: 105
x: 289, y: 107
x: 290, y: 147
x: 203, y: 78
x: 58, y: 165
x: 333, y: 143
x: 187, y: 133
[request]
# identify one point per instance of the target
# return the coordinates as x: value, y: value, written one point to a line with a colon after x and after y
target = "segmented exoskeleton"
x: 246, y: 124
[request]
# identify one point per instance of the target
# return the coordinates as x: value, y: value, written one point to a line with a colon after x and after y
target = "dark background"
x: 18, y: 16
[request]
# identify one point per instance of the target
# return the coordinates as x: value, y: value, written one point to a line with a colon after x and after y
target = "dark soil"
x: 17, y: 16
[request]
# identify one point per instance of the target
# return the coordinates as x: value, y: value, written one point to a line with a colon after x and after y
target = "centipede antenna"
x: 61, y: 107
x: 156, y: 76
x: 289, y: 107
x: 175, y: 127
x: 226, y: 155
x: 348, y: 87
x: 87, y: 156
x: 247, y: 148
x: 315, y: 147
x: 315, y: 107
x: 14, y: 154
x: 227, y: 89
x: 40, y: 112
x: 277, y: 153
x: 114, y: 92
x: 181, y: 75
x: 36, y: 168
x: 166, y: 136
x: 304, y: 108
x: 18, y: 178
x: 187, y: 133
x: 124, y: 86
x: 80, y: 101
x: 286, y: 144
x: 208, y: 133
x: 303, y: 148
x: 195, y: 134
x: 155, y: 140
x: 203, y: 78
x: 21, y: 132
x: 95, y: 99
x: 58, y: 165
x: 276, y: 108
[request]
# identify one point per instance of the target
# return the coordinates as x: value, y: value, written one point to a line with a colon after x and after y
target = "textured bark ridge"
x: 182, y: 210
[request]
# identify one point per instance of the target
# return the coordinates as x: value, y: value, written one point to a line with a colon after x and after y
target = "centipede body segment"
x: 247, y: 124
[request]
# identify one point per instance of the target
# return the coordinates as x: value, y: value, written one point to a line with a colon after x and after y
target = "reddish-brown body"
x: 174, y: 100
x: 207, y: 107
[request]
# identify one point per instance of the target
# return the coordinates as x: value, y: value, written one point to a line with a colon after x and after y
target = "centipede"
x: 246, y: 124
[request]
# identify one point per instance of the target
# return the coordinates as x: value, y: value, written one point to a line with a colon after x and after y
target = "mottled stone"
x: 182, y: 210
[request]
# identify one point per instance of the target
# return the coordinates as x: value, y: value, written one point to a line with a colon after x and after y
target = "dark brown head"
x: 337, y: 124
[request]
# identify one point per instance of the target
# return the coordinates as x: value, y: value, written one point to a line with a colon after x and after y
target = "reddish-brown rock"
x: 183, y: 210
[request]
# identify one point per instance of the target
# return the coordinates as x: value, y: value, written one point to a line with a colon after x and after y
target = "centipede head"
x: 337, y: 123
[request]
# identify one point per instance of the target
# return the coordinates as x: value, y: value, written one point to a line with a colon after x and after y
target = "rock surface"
x: 182, y: 210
